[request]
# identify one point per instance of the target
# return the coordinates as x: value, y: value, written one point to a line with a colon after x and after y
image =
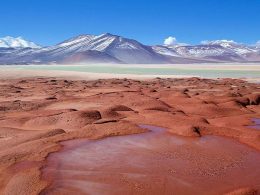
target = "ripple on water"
x: 156, y: 162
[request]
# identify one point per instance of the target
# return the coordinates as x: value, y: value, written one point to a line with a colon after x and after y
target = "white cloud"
x: 170, y: 41
x: 258, y: 43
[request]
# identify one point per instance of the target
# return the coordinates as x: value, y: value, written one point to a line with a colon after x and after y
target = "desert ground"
x: 129, y: 136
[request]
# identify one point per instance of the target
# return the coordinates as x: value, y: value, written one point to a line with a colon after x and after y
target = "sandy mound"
x: 252, y: 99
x: 186, y: 130
x: 114, y: 129
x: 66, y: 121
x: 113, y: 111
x: 18, y: 105
x: 120, y: 108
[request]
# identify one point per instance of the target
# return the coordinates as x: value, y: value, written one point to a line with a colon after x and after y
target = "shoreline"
x: 16, y: 72
x: 76, y: 75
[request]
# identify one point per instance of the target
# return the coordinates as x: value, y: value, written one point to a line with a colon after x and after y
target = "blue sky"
x: 149, y: 21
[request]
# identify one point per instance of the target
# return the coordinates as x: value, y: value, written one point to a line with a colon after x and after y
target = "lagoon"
x: 248, y: 71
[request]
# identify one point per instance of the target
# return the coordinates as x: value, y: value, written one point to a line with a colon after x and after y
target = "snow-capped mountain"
x: 108, y: 48
x: 238, y: 48
x: 219, y: 50
x: 19, y: 42
x: 122, y: 49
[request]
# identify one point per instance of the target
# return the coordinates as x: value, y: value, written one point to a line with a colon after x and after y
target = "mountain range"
x: 108, y: 48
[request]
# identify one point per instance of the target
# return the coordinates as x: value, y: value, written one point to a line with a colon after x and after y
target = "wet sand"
x: 208, y: 143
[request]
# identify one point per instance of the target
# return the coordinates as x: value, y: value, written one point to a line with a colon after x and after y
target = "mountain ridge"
x: 109, y: 48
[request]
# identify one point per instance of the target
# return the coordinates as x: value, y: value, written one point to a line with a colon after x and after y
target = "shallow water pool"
x: 156, y: 162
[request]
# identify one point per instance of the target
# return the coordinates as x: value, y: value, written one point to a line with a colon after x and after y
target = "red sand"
x: 36, y: 114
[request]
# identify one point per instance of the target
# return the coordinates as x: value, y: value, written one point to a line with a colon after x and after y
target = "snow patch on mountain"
x: 164, y: 50
x: 19, y: 42
x: 222, y: 42
x: 257, y: 44
x: 232, y: 46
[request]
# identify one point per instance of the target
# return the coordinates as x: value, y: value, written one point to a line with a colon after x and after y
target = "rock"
x: 186, y: 130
